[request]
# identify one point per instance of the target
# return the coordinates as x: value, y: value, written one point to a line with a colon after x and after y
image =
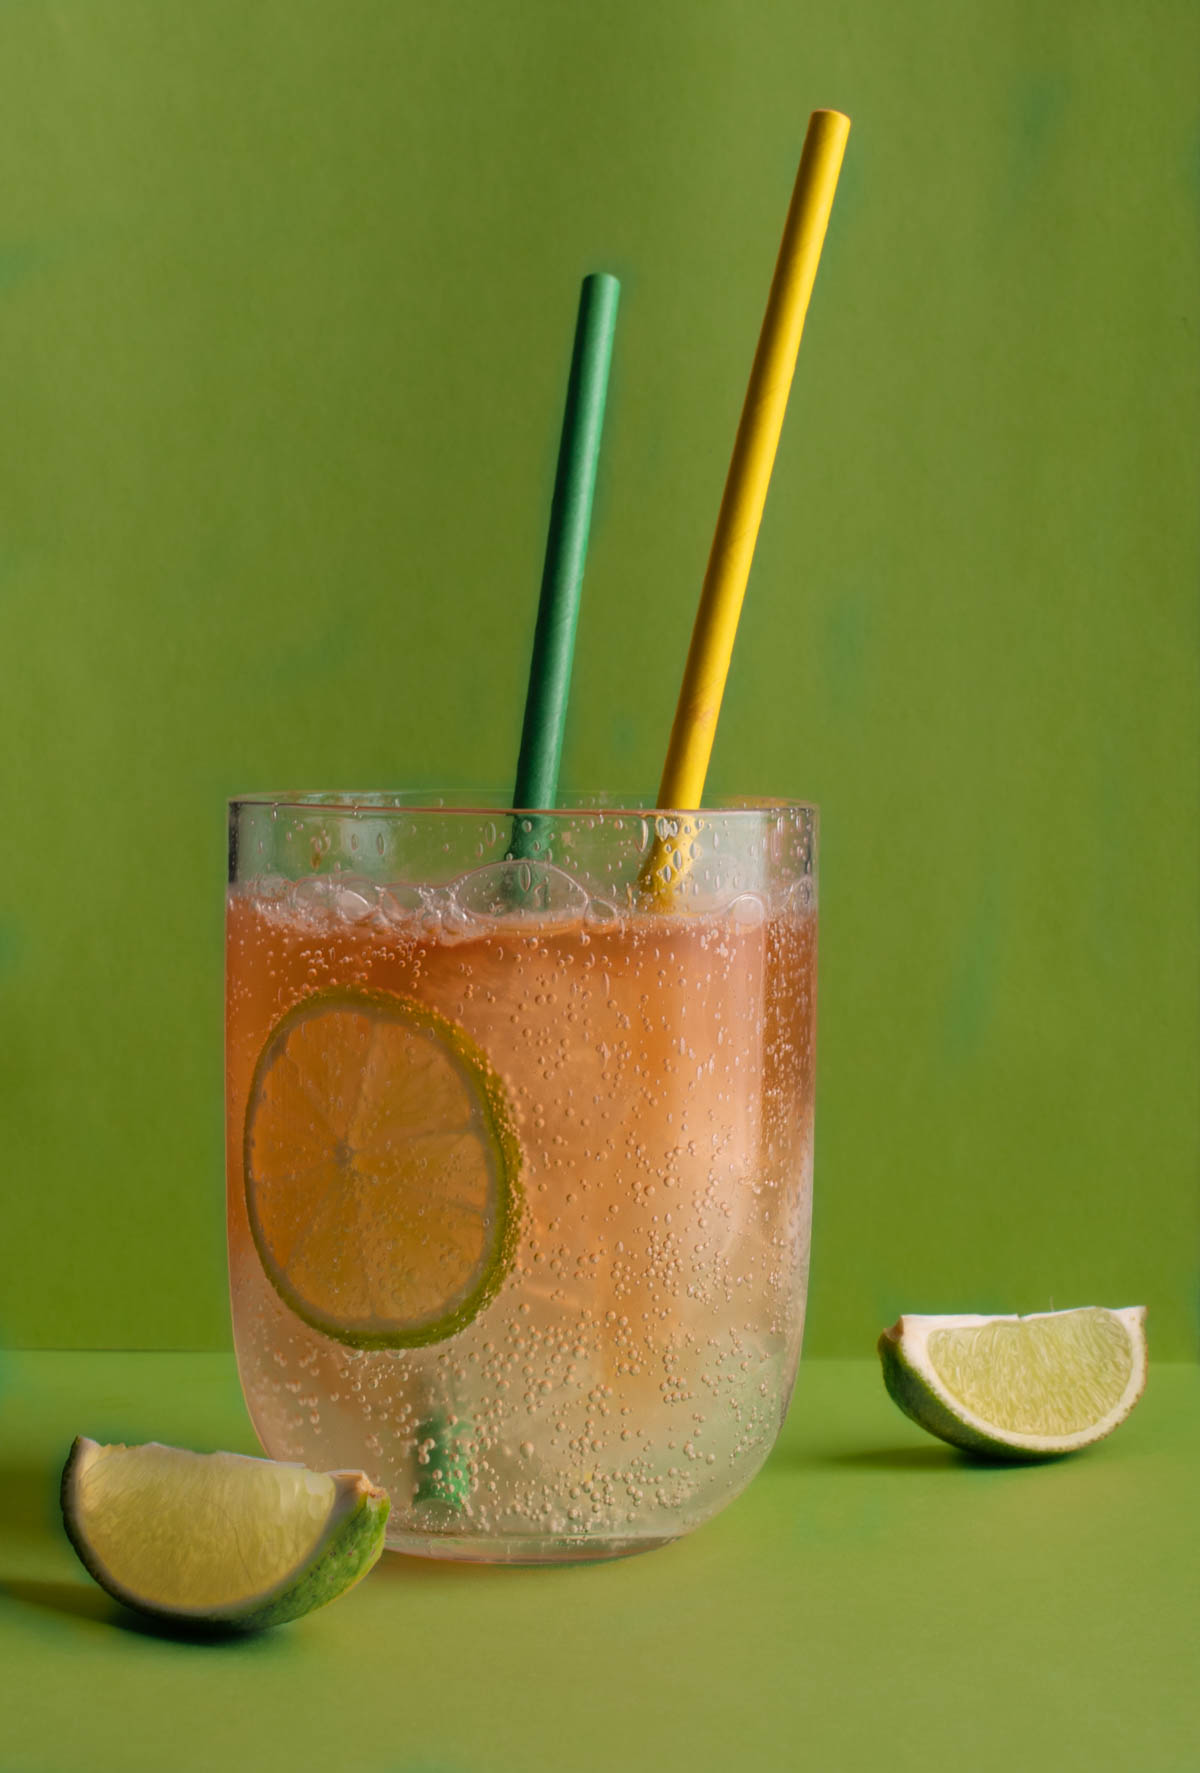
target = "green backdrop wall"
x: 286, y: 293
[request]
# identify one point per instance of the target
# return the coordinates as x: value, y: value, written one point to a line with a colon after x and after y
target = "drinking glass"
x: 520, y: 1155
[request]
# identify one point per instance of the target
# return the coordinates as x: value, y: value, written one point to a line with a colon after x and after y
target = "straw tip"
x: 827, y: 134
x: 603, y: 282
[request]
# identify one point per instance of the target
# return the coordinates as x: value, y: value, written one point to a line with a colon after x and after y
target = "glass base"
x: 464, y: 1548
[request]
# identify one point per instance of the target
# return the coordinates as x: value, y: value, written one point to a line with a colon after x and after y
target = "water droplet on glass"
x: 802, y: 896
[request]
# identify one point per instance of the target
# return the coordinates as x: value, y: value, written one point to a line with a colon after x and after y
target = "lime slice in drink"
x: 381, y: 1170
x: 216, y: 1539
x: 1018, y: 1387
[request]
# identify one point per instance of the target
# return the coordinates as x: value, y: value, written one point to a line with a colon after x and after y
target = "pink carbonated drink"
x: 520, y: 1162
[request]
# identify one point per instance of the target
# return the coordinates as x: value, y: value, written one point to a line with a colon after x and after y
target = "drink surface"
x: 628, y: 1374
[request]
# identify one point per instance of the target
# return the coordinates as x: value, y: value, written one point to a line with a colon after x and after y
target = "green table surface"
x: 872, y: 1601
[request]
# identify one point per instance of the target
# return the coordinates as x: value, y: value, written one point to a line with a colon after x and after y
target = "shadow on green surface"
x: 935, y: 1457
x: 80, y: 1600
x: 212, y: 1637
x: 405, y: 1566
x: 408, y: 1567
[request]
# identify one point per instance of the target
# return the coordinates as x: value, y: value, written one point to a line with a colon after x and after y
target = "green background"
x: 286, y: 294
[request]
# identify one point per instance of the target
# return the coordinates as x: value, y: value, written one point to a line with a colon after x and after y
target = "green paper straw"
x: 445, y: 1482
x: 566, y: 552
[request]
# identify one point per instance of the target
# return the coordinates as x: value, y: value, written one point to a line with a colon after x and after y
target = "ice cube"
x: 601, y: 912
x: 505, y: 889
x: 400, y: 903
x: 313, y: 894
x: 747, y: 909
x: 353, y: 899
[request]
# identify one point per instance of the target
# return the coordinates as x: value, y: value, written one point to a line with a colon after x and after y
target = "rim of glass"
x: 487, y: 803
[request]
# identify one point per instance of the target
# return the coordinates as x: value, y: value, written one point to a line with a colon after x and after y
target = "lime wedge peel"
x: 1018, y: 1387
x: 218, y: 1540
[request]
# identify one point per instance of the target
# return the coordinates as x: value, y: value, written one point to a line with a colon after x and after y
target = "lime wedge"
x: 381, y: 1170
x: 215, y: 1538
x: 1018, y: 1387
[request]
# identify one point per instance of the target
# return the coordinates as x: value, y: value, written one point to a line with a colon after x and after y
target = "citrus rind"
x: 344, y: 1548
x: 493, y: 1126
x: 917, y: 1383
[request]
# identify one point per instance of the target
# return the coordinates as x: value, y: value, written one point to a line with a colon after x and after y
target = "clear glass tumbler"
x: 520, y: 1156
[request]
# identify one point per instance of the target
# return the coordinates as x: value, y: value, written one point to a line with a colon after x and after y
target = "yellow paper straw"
x: 682, y: 784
